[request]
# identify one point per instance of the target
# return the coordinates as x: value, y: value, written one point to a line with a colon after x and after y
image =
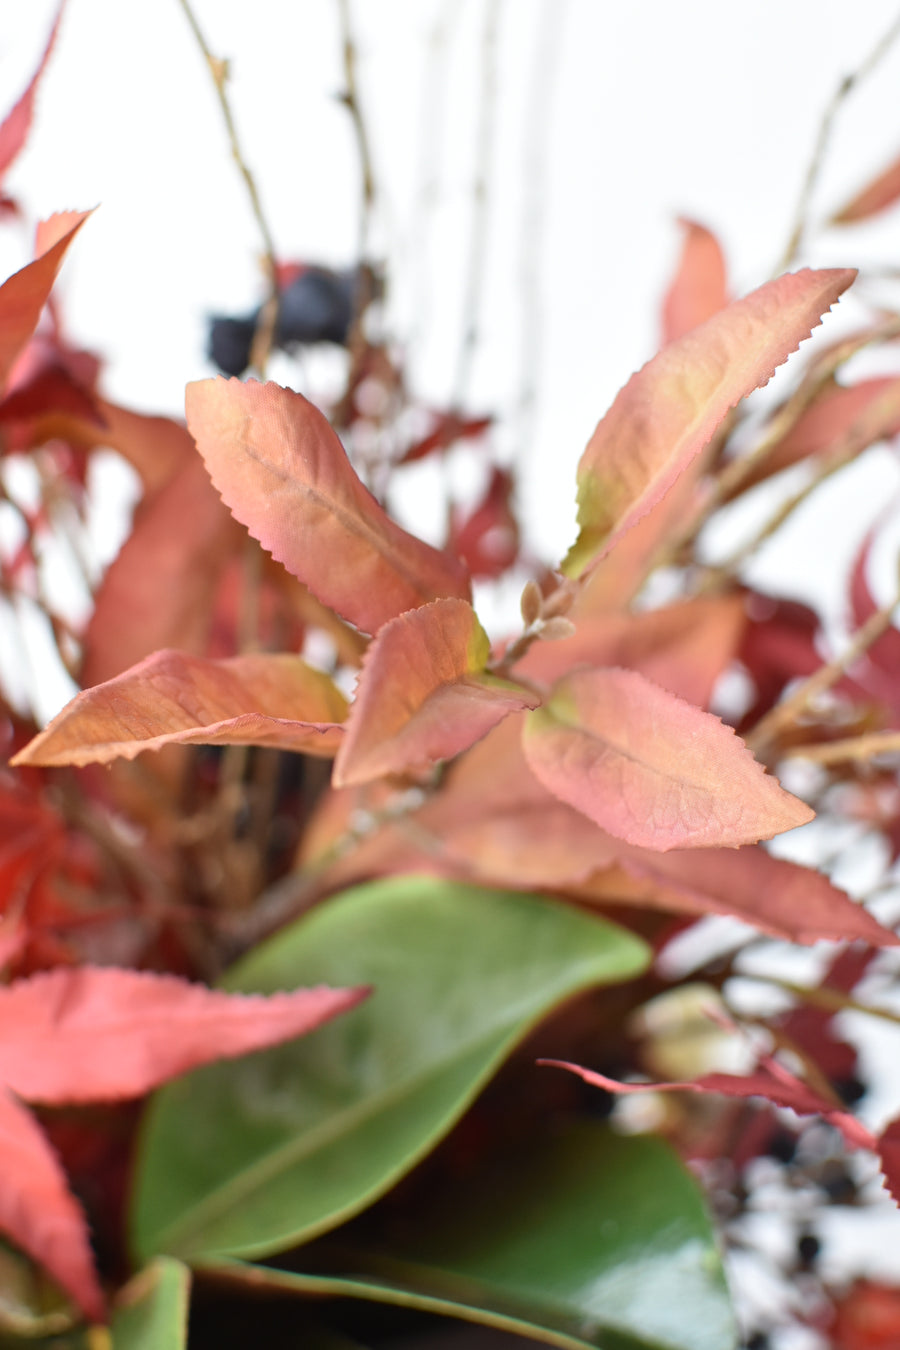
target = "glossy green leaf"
x: 152, y: 1310
x: 260, y: 1154
x: 585, y: 1238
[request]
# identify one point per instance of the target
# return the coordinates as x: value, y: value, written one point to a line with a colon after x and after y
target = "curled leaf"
x: 171, y: 698
x: 652, y: 769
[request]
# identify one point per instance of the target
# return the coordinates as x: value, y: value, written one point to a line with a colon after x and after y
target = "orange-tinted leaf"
x: 669, y: 409
x: 92, y: 1034
x: 768, y: 1080
x: 175, y: 699
x: 651, y: 769
x: 17, y: 123
x: 423, y: 694
x: 876, y: 196
x: 699, y: 288
x: 159, y: 591
x: 38, y: 1211
x: 24, y: 295
x: 284, y: 474
x: 867, y: 1316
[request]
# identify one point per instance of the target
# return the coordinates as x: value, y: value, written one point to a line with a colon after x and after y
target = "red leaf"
x: 780, y: 897
x: 175, y: 699
x: 17, y: 123
x: 867, y: 1317
x: 699, y: 288
x: 284, y: 474
x: 889, y: 1148
x: 650, y: 768
x: 38, y: 1211
x: 877, y: 671
x: 769, y: 1080
x: 447, y: 430
x: 24, y: 294
x: 423, y: 694
x: 876, y: 196
x: 487, y: 540
x: 160, y: 590
x: 89, y: 1034
x: 668, y: 411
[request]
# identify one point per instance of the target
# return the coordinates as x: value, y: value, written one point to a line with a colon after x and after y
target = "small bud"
x: 556, y: 628
x: 530, y: 604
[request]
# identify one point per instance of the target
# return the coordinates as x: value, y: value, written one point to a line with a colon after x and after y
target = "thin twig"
x: 832, y: 1000
x: 793, y: 707
x: 474, y: 284
x: 268, y: 316
x: 810, y: 182
x: 350, y: 99
x: 536, y: 160
x: 859, y: 748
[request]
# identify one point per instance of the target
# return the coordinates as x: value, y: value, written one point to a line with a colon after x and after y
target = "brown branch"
x: 474, y: 283
x: 350, y: 99
x: 268, y: 316
x: 858, y: 748
x: 826, y: 126
x: 793, y: 707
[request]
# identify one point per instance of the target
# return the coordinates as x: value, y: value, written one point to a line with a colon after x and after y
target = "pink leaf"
x: 175, y: 699
x: 283, y: 473
x: 670, y: 409
x: 38, y: 1211
x: 876, y: 196
x: 17, y: 123
x: 860, y: 414
x: 769, y: 1080
x: 24, y: 294
x: 89, y: 1034
x: 650, y: 768
x: 878, y: 670
x: 423, y: 694
x: 699, y: 288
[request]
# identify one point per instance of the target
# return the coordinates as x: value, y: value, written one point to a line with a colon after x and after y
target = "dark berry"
x: 808, y: 1248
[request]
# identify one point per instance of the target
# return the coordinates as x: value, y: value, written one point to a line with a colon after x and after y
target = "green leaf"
x: 582, y: 1238
x: 250, y: 1157
x: 152, y: 1310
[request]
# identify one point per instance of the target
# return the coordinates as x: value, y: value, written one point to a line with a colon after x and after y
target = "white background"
x: 611, y: 120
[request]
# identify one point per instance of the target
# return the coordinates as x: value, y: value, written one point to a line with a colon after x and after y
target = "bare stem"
x: 480, y: 201
x: 265, y: 328
x: 826, y: 127
x: 350, y: 98
x: 793, y: 707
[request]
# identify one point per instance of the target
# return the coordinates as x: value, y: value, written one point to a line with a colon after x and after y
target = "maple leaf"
x: 105, y: 1035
